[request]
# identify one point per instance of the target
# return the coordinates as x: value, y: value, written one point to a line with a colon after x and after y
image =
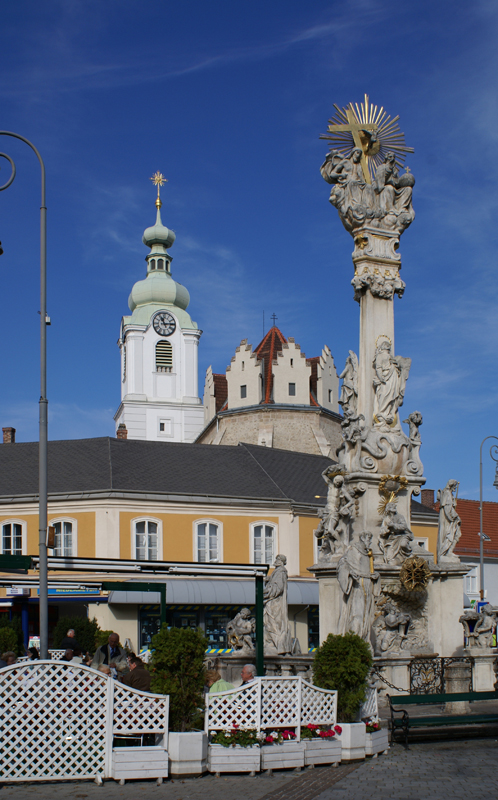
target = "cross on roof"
x: 274, y: 319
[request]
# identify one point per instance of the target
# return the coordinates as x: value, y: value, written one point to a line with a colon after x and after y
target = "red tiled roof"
x: 266, y: 351
x: 468, y: 511
x: 220, y: 390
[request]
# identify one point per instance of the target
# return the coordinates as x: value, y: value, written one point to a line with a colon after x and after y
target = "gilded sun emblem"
x: 415, y: 574
x: 372, y: 130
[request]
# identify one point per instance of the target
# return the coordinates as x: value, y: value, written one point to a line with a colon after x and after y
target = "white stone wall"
x: 209, y: 401
x: 244, y: 370
x: 291, y: 369
x: 327, y: 382
x: 149, y: 397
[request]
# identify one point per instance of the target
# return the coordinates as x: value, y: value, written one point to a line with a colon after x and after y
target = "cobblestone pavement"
x: 449, y: 770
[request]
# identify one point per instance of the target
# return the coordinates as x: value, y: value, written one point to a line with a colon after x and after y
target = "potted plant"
x: 322, y: 744
x: 235, y: 750
x: 281, y: 750
x: 343, y: 662
x: 377, y: 738
x: 177, y: 668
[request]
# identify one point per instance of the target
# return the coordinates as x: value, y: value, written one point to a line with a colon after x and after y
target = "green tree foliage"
x: 85, y: 629
x: 8, y: 639
x: 16, y: 642
x: 102, y: 637
x: 343, y: 663
x: 178, y: 670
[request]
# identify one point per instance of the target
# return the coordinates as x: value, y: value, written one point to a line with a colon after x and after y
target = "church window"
x: 65, y: 538
x: 243, y: 391
x: 292, y: 389
x: 263, y: 543
x: 292, y: 362
x: 330, y: 396
x: 146, y: 540
x: 12, y: 538
x: 243, y: 366
x: 208, y: 542
x: 164, y: 356
x: 160, y: 263
x: 153, y: 263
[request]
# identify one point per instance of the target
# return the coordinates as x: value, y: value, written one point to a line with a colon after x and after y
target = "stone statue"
x: 391, y: 638
x: 349, y: 390
x: 277, y: 635
x: 395, y: 538
x: 391, y: 374
x: 334, y: 526
x: 386, y: 203
x: 360, y: 585
x: 484, y: 625
x: 394, y: 194
x: 449, y: 530
x: 414, y: 465
x: 239, y: 631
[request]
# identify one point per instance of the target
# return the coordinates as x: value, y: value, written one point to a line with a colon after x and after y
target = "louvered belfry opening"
x: 164, y: 356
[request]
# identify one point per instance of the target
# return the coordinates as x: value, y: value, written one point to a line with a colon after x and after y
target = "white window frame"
x: 22, y: 523
x: 316, y: 545
x: 472, y: 573
x: 146, y: 518
x: 74, y: 523
x: 208, y: 521
x: 254, y: 525
x: 424, y: 541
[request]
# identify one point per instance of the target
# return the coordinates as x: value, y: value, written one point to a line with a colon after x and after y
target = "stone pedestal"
x: 457, y: 679
x: 484, y: 674
x: 396, y: 670
x: 230, y: 666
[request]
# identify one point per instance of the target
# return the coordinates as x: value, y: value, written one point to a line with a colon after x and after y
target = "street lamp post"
x: 494, y: 448
x: 43, y: 402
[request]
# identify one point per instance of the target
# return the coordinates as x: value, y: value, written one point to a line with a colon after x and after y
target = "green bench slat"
x: 469, y: 719
x: 424, y: 699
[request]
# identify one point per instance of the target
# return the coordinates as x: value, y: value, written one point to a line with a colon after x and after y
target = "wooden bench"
x: 405, y: 722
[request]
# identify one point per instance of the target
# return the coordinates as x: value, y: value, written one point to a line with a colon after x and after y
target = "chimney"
x: 121, y: 432
x: 427, y: 497
x: 9, y: 435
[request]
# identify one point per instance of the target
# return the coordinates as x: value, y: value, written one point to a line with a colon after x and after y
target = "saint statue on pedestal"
x: 360, y: 584
x: 277, y: 635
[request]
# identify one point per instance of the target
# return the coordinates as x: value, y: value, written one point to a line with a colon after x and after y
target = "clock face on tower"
x: 164, y: 323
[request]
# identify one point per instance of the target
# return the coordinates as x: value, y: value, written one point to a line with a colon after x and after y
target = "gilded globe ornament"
x: 415, y: 574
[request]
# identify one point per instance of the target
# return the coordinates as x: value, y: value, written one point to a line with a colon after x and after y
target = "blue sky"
x: 228, y: 100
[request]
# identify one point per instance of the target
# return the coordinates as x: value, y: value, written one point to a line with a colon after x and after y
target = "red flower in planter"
x: 269, y: 739
x: 338, y: 729
x: 312, y: 727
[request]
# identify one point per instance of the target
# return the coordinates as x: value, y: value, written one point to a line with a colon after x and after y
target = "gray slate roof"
x: 115, y: 465
x: 105, y: 464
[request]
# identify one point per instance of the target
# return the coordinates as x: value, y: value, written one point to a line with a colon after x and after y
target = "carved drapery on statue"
x: 360, y: 585
x: 391, y: 374
x: 479, y: 626
x: 348, y: 399
x: 449, y: 530
x: 277, y: 634
x: 385, y: 203
x: 239, y: 632
x: 334, y: 526
x: 395, y: 538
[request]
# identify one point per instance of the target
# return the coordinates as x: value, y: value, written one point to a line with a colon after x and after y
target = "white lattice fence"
x: 139, y: 712
x: 318, y: 706
x: 57, y: 720
x: 271, y: 703
x: 370, y: 708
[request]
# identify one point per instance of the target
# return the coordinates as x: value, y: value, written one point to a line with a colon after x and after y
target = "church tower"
x: 159, y: 348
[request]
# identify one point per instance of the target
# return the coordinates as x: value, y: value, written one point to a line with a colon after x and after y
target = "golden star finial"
x: 158, y: 179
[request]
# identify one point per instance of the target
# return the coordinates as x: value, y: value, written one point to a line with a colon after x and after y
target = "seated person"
x: 139, y: 676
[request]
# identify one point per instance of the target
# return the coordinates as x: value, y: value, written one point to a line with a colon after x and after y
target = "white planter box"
x: 139, y: 762
x: 287, y: 755
x: 377, y: 742
x: 187, y: 753
x: 233, y: 759
x: 353, y: 740
x: 322, y: 751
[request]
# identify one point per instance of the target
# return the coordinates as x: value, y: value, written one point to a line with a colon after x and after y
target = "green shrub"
x: 343, y: 663
x: 14, y: 625
x: 178, y: 670
x: 85, y: 630
x: 8, y: 640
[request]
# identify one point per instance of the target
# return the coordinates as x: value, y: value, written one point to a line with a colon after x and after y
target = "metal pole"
x: 481, y: 530
x: 260, y: 660
x: 43, y: 410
